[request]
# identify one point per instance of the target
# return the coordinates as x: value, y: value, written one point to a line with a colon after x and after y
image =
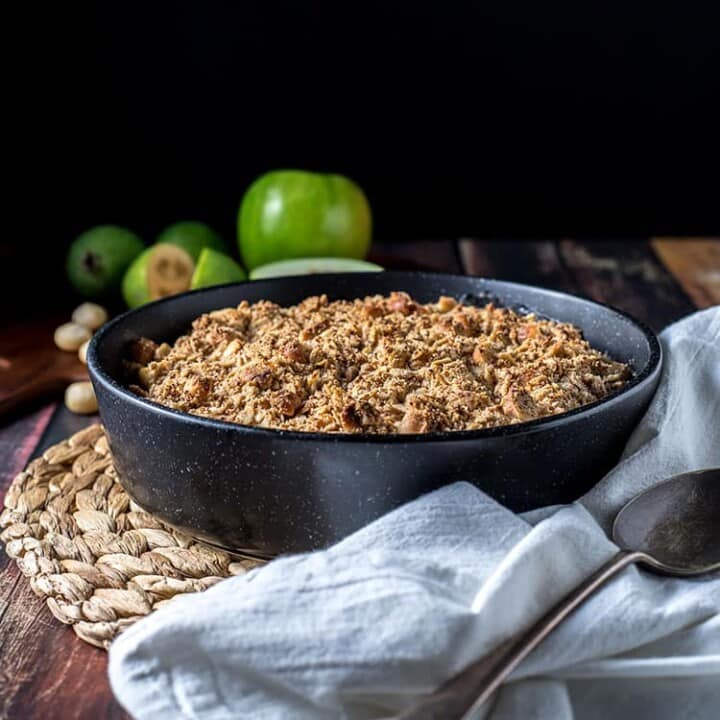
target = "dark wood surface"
x: 46, y: 672
x: 32, y: 368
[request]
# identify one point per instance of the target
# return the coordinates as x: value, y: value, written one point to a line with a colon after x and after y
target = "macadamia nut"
x: 82, y: 352
x: 80, y: 398
x: 90, y: 315
x: 70, y: 336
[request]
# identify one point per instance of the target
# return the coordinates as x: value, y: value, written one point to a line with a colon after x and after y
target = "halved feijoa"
x: 160, y: 271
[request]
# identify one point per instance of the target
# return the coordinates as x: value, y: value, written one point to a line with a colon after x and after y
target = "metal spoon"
x: 672, y: 528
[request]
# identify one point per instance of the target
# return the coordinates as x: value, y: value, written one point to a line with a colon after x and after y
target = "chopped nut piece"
x: 141, y: 351
x: 412, y: 422
x: 483, y: 354
x: 526, y: 331
x: 518, y: 403
x: 350, y: 419
x: 295, y: 352
x: 198, y: 389
x: 260, y: 376
x: 145, y: 376
x: 402, y: 303
x: 163, y: 350
x: 289, y: 402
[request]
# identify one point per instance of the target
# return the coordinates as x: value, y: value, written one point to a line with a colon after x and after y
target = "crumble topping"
x: 382, y: 364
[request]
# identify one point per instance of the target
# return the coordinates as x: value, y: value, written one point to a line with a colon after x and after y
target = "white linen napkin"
x: 362, y: 629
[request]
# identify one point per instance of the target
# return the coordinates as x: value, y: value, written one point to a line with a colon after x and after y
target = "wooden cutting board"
x: 32, y: 368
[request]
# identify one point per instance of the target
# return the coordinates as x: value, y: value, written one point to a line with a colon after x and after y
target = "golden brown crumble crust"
x: 374, y: 365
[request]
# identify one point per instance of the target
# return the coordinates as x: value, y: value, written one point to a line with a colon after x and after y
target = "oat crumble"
x: 382, y: 364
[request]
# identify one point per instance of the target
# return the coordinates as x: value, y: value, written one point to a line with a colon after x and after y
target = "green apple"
x: 296, y: 214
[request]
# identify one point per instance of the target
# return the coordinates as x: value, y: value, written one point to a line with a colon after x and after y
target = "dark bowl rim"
x: 651, y: 368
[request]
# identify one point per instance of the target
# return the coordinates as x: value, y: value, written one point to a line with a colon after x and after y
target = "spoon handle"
x: 463, y: 694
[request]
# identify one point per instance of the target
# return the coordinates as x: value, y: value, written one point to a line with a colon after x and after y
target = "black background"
x: 517, y: 119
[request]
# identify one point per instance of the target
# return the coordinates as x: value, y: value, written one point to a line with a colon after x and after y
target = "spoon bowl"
x: 675, y: 523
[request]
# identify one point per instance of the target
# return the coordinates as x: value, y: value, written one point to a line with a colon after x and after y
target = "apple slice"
x: 311, y: 266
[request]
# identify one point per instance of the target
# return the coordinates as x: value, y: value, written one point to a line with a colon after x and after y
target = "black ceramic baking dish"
x: 264, y: 491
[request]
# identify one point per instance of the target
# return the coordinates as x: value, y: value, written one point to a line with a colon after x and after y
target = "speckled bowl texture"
x: 263, y: 492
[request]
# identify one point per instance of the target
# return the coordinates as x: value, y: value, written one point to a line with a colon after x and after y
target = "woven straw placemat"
x: 99, y: 559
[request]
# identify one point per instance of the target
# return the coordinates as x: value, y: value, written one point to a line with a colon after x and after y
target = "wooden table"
x: 47, y: 672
